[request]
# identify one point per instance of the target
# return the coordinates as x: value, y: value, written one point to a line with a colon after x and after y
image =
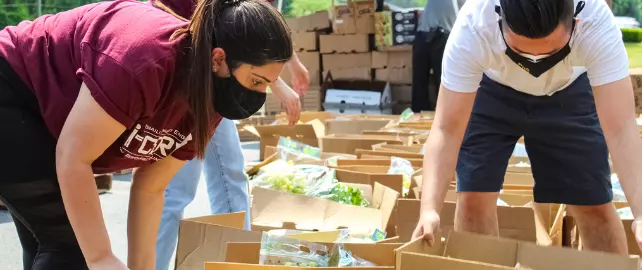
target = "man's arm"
x: 442, y: 147
x: 147, y: 196
x: 616, y: 111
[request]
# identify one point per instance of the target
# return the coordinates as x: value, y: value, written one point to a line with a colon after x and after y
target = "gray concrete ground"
x: 114, y: 204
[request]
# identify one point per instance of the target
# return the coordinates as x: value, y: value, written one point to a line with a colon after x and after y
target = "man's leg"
x: 569, y: 158
x: 224, y: 170
x: 490, y: 138
x: 420, y: 73
x: 179, y: 193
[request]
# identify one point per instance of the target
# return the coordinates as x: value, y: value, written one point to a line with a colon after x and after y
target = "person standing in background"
x: 432, y: 33
x: 223, y: 166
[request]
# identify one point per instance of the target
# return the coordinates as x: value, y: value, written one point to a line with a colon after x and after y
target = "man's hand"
x: 290, y: 100
x: 428, y: 223
x: 300, y: 75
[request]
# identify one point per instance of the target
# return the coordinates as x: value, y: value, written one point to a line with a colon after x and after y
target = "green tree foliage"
x: 628, y: 8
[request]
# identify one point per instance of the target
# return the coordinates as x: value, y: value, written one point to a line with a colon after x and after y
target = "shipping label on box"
x: 305, y: 41
x: 401, y: 59
x: 349, y: 60
x: 357, y: 43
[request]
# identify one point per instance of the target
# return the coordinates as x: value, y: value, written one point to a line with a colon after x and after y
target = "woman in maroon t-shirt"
x: 96, y: 90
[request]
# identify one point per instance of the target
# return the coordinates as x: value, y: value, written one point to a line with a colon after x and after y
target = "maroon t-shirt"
x: 184, y: 8
x: 122, y: 51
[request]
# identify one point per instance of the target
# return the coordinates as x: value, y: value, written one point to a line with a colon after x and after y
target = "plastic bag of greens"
x: 297, y: 179
x: 278, y: 249
x: 341, y: 257
x: 297, y: 152
x: 403, y: 167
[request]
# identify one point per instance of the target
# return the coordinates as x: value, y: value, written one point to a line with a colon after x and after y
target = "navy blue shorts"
x: 562, y: 135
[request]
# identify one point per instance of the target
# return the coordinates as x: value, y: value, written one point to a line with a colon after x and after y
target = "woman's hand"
x: 300, y: 76
x: 108, y: 263
x: 290, y: 100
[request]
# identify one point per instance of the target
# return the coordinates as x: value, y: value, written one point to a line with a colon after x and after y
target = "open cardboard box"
x: 275, y: 209
x: 370, y: 175
x: 466, y: 251
x: 308, y: 133
x: 354, y: 125
x: 309, y: 116
x: 412, y: 149
x: 516, y: 222
x: 246, y: 256
x: 204, y: 239
x: 350, y: 143
x: 362, y: 153
x: 418, y: 163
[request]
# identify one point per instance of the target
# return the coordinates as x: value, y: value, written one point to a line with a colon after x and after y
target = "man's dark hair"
x: 536, y: 18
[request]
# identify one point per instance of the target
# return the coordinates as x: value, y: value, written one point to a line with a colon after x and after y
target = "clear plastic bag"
x: 297, y: 152
x: 403, y: 167
x: 341, y: 257
x: 297, y: 179
x: 278, y: 249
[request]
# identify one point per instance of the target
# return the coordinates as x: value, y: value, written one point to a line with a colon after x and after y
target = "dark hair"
x: 249, y: 31
x: 536, y: 18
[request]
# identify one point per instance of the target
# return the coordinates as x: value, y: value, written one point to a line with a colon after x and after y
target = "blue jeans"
x: 227, y: 187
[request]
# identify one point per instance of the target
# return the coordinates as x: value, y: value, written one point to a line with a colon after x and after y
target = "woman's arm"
x: 145, y: 207
x: 87, y: 132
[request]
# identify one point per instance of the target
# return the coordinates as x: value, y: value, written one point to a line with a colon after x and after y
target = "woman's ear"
x: 219, y: 66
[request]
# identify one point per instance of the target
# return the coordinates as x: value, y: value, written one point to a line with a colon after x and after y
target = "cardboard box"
x: 363, y: 74
x: 313, y: 22
x: 402, y: 59
x: 364, y: 16
x: 516, y: 222
x: 349, y: 60
x: 357, y: 43
x: 311, y: 100
x: 272, y: 208
x: 381, y: 254
x: 305, y: 41
x: 401, y: 93
x: 204, y: 239
x: 348, y: 144
x: 308, y: 133
x: 343, y: 19
x: 394, y: 75
x: 356, y: 96
x: 354, y: 126
x: 400, y: 107
x: 343, y: 163
x: 315, y: 77
x: 394, y: 28
x: 466, y: 251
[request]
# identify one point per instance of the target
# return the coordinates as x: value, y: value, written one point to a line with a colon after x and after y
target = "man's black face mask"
x: 538, y: 65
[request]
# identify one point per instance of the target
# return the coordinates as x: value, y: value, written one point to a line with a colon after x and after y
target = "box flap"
x: 412, y: 261
x: 240, y: 266
x: 232, y: 220
x: 200, y: 242
x: 392, y: 181
x: 557, y: 258
x: 481, y: 248
x: 273, y: 208
x: 384, y: 199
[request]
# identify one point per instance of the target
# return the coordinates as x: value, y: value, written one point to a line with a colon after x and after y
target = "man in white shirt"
x: 544, y: 70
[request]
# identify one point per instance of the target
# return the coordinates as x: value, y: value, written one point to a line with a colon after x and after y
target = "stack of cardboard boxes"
x: 394, y: 35
x: 346, y: 52
x: 305, y: 36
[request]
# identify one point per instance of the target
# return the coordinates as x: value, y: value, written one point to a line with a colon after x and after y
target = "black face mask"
x: 537, y: 67
x: 233, y: 101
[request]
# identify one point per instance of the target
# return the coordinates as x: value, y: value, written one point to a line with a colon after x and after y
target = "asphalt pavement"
x: 114, y: 205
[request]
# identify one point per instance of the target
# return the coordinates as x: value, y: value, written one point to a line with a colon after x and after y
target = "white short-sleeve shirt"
x: 476, y: 47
